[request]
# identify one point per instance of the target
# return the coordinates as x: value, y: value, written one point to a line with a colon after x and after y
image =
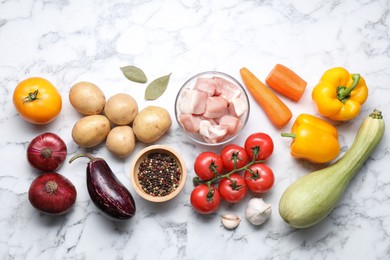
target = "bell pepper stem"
x: 343, y: 93
x: 291, y: 135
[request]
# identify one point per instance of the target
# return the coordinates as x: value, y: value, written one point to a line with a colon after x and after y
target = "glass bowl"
x: 212, y: 108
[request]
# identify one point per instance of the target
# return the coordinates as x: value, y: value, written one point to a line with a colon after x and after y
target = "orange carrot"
x: 286, y: 82
x: 278, y: 113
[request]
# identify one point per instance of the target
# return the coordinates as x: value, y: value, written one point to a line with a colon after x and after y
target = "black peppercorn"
x: 159, y: 174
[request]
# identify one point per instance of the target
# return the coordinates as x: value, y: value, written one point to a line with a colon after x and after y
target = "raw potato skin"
x: 87, y: 98
x: 121, y: 109
x: 90, y: 131
x: 151, y: 123
x: 121, y: 141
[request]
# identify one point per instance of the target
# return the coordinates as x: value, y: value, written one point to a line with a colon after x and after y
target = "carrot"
x: 278, y: 113
x: 286, y: 82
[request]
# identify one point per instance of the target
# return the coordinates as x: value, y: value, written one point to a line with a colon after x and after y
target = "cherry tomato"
x: 232, y: 189
x: 203, y: 200
x: 207, y: 164
x: 263, y: 142
x: 37, y: 100
x: 231, y: 152
x: 259, y: 178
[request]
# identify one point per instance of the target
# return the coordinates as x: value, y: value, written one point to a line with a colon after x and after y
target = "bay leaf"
x: 157, y: 87
x: 134, y: 74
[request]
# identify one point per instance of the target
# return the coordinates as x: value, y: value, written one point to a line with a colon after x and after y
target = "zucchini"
x: 312, y: 197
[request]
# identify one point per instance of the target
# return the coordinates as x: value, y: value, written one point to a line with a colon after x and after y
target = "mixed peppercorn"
x: 159, y: 174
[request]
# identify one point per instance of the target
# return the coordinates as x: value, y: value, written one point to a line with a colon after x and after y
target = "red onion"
x: 46, y: 152
x: 52, y: 193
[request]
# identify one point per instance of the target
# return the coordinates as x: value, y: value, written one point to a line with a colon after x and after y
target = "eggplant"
x: 106, y: 191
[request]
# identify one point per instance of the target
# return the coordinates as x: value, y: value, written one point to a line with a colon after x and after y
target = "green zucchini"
x: 312, y: 197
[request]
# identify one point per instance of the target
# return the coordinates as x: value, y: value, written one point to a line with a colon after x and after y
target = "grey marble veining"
x: 69, y: 41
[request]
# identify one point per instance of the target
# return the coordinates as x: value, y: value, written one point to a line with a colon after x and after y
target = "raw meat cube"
x: 210, y: 132
x: 229, y: 122
x: 237, y: 107
x: 190, y: 122
x: 226, y: 89
x: 193, y: 102
x: 215, y: 107
x: 217, y: 133
x: 204, y: 126
x: 207, y: 85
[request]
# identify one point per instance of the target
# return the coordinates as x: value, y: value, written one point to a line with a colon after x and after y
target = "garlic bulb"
x: 258, y: 211
x: 230, y: 221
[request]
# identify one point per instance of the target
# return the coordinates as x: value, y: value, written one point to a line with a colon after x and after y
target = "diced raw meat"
x: 229, y: 122
x: 190, y: 122
x: 217, y: 133
x: 211, y: 133
x: 215, y: 107
x: 207, y: 85
x: 212, y: 108
x: 237, y: 107
x: 212, y: 121
x: 226, y: 89
x: 204, y: 126
x: 193, y: 102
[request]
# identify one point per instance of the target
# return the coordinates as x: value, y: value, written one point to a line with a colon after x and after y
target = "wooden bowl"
x: 141, y: 156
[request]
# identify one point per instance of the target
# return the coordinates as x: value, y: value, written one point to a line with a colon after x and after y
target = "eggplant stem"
x: 88, y: 155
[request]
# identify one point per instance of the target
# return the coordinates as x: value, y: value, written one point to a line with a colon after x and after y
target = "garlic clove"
x: 258, y: 211
x: 230, y: 221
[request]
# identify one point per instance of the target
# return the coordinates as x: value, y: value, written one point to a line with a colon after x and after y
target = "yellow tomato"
x: 37, y: 100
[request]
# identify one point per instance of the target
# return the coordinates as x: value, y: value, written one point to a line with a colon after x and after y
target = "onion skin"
x: 52, y: 193
x: 106, y: 191
x: 46, y: 152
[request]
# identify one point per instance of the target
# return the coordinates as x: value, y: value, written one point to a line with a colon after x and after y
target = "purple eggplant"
x: 106, y: 191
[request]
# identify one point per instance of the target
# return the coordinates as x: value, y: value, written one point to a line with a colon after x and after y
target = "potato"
x: 87, y: 98
x: 91, y: 130
x: 151, y: 123
x: 121, y: 109
x: 121, y: 141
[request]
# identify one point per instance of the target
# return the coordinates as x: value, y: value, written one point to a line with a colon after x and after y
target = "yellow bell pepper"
x: 339, y: 94
x: 315, y: 140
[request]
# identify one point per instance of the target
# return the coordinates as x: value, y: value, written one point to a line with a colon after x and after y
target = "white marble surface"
x: 68, y: 41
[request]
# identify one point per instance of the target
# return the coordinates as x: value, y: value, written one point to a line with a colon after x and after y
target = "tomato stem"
x: 255, y: 175
x: 234, y: 184
x: 31, y: 97
x: 213, y: 168
x: 255, y: 150
x: 211, y: 192
x: 235, y: 158
x: 196, y: 181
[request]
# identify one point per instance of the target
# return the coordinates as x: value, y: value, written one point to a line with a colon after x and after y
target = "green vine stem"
x: 235, y: 158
